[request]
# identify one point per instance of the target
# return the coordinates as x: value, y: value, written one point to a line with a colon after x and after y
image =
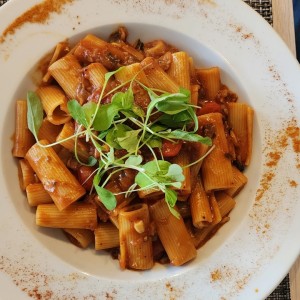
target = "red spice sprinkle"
x: 39, y: 13
x: 293, y: 183
x: 265, y: 184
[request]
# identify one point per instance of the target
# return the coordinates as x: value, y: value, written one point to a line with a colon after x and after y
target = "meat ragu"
x: 132, y: 148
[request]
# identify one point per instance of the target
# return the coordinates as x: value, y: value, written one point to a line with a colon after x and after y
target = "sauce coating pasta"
x: 132, y: 148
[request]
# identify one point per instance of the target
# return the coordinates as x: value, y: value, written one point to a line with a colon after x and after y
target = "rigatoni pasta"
x: 77, y: 215
x: 23, y: 138
x: 173, y: 234
x: 132, y: 148
x: 57, y: 180
x: 135, y: 241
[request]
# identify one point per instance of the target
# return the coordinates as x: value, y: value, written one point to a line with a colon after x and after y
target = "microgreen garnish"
x: 34, y: 113
x: 122, y: 124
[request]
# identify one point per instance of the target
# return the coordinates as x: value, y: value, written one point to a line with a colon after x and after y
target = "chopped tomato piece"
x: 170, y: 149
x: 209, y: 107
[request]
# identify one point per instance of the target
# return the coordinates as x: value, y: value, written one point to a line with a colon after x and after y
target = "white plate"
x: 252, y: 253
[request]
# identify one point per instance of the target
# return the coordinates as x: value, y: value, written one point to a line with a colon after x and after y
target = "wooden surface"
x: 283, y: 23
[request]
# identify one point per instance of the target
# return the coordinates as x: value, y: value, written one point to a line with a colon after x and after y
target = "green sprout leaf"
x: 130, y: 140
x: 105, y: 116
x: 134, y: 160
x: 106, y: 197
x: 175, y: 173
x: 171, y: 197
x: 77, y: 112
x: 89, y: 110
x: 34, y: 113
x: 186, y: 136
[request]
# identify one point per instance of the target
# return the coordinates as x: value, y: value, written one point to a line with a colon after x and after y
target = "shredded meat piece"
x: 158, y: 48
x: 208, y: 130
x: 119, y: 35
x: 225, y: 95
x: 165, y: 61
x: 141, y: 97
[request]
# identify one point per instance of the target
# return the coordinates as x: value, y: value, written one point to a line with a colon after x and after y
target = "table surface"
x: 283, y: 23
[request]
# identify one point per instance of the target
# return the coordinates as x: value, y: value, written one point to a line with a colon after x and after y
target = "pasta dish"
x: 132, y: 148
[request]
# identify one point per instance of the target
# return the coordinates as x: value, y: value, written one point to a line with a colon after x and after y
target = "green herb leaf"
x: 123, y: 100
x: 34, y: 113
x: 154, y: 141
x: 172, y: 106
x: 153, y: 167
x: 187, y: 136
x: 130, y: 140
x: 89, y: 110
x: 155, y: 172
x: 134, y: 160
x: 138, y: 111
x: 116, y: 132
x: 77, y: 112
x: 128, y: 99
x: 174, y: 212
x: 106, y: 197
x: 176, y: 121
x: 158, y: 127
x: 96, y: 179
x: 175, y: 172
x: 171, y: 197
x: 176, y: 184
x: 105, y: 116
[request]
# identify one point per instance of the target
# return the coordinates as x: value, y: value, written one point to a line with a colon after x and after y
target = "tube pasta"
x: 194, y: 93
x: 23, y: 138
x: 36, y: 194
x: 77, y: 215
x: 211, y: 80
x: 60, y: 50
x: 240, y: 117
x: 57, y: 180
x: 239, y: 182
x: 135, y: 241
x: 180, y: 69
x: 216, y: 168
x: 54, y: 103
x: 81, y: 238
x: 157, y: 77
x: 129, y: 72
x: 96, y: 74
x: 215, y: 209
x: 182, y: 159
x: 225, y: 203
x: 26, y: 174
x: 66, y: 140
x: 201, y: 236
x: 106, y: 236
x: 200, y: 206
x: 49, y: 131
x: 173, y: 234
x: 66, y: 72
x: 197, y: 150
